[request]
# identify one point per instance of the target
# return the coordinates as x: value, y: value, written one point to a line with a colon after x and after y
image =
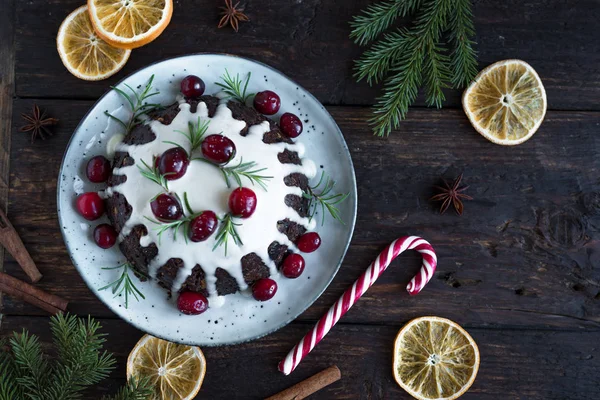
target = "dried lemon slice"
x: 176, y: 371
x: 434, y: 358
x: 83, y: 53
x: 506, y: 102
x: 130, y: 23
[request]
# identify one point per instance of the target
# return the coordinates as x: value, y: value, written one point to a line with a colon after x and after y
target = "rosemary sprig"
x: 321, y: 196
x: 195, y: 133
x: 154, y: 174
x: 123, y: 284
x: 174, y: 225
x: 435, y: 52
x: 227, y: 229
x: 245, y: 169
x: 137, y: 102
x: 235, y: 86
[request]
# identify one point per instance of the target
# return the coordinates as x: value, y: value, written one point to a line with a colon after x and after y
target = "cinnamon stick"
x: 13, y: 244
x: 32, y: 295
x: 310, y: 385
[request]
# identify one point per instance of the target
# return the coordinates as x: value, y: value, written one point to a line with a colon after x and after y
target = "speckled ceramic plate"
x: 241, y: 318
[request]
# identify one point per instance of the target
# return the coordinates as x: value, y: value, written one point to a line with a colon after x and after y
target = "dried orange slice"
x: 434, y: 358
x: 506, y: 103
x: 83, y: 53
x: 176, y: 371
x: 128, y: 24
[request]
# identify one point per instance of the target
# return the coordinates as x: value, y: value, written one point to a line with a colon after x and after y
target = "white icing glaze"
x: 206, y: 190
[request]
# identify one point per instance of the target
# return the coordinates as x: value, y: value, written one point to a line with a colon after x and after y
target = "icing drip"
x: 206, y: 190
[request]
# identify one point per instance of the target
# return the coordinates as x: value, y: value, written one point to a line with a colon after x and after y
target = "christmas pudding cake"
x: 208, y: 196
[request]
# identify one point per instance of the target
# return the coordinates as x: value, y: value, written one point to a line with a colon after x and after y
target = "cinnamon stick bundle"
x: 32, y: 295
x: 310, y: 385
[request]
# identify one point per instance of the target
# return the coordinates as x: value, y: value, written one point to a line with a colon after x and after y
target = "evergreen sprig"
x: 321, y: 196
x: 235, y: 86
x: 436, y: 51
x: 165, y: 226
x: 227, y: 229
x: 27, y: 374
x: 195, y: 134
x: 123, y: 285
x: 246, y: 170
x: 152, y: 173
x: 138, y: 102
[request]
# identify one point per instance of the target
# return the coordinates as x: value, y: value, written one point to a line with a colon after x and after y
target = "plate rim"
x: 285, y: 322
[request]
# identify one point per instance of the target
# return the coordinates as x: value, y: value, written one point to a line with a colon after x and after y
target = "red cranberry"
x: 242, y: 202
x: 267, y: 102
x: 293, y: 266
x: 90, y: 205
x: 290, y: 125
x: 105, y: 236
x: 264, y: 289
x: 192, y: 303
x: 203, y: 226
x: 166, y: 207
x: 218, y: 149
x: 192, y: 86
x: 173, y: 163
x: 309, y: 242
x: 98, y: 169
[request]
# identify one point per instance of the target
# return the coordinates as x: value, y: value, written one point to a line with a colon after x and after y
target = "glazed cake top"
x: 206, y: 189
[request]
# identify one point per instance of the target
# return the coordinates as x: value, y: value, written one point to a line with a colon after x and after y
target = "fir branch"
x: 227, y: 229
x: 152, y: 173
x: 8, y: 390
x: 321, y: 196
x: 464, y: 57
x: 195, y: 133
x: 32, y: 370
x: 123, y: 284
x: 137, y: 102
x: 414, y: 56
x: 136, y: 389
x: 378, y: 17
x: 245, y: 170
x: 235, y: 86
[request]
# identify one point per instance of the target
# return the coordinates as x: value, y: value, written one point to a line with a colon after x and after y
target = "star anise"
x: 232, y: 15
x: 452, y: 194
x: 37, y: 124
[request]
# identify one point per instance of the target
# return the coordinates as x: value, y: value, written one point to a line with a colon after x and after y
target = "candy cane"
x: 359, y: 287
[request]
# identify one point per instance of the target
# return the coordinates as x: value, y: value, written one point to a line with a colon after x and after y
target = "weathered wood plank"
x: 308, y: 41
x: 515, y: 364
x: 7, y: 78
x: 525, y: 253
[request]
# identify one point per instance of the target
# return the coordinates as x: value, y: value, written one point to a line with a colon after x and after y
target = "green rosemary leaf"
x: 123, y: 124
x: 140, y: 106
x: 123, y: 284
x: 233, y: 86
x: 187, y: 203
x: 319, y: 198
x: 245, y: 170
x: 227, y: 229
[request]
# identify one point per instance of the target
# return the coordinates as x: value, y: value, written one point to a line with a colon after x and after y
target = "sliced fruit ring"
x: 435, y: 359
x: 83, y: 53
x: 176, y: 371
x: 128, y: 24
x: 506, y: 103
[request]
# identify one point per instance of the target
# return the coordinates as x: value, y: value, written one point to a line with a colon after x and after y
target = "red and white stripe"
x: 359, y: 287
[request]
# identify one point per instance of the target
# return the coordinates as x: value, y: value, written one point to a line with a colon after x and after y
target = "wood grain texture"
x: 515, y: 364
x: 524, y: 254
x: 308, y: 41
x: 7, y: 72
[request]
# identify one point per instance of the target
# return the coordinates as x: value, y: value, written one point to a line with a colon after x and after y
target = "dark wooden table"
x: 520, y: 270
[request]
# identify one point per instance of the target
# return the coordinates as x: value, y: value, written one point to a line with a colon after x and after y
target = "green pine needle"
x: 321, y: 196
x: 435, y: 51
x: 235, y: 86
x: 136, y: 389
x: 123, y: 285
x: 26, y: 373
